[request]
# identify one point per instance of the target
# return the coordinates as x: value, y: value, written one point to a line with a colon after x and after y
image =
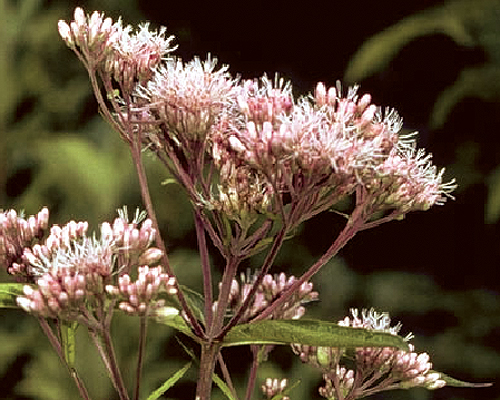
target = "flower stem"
x: 351, y: 228
x: 226, y: 375
x: 113, y: 365
x: 278, y: 241
x: 146, y: 198
x: 205, y: 266
x: 57, y: 347
x: 223, y: 299
x: 140, y: 356
x: 253, y: 372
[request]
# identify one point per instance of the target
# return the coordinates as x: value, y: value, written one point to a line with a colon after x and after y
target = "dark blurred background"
x: 436, y: 62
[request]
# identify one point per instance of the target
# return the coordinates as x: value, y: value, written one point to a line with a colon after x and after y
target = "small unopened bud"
x: 65, y: 32
x: 320, y: 94
x: 150, y: 256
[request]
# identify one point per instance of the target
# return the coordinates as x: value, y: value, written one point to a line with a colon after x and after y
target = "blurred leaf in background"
x: 469, y: 24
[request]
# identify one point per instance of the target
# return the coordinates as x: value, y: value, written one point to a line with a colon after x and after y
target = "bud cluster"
x: 273, y: 387
x: 94, y: 36
x: 17, y: 233
x: 141, y: 296
x: 375, y: 368
x: 242, y: 195
x: 73, y: 272
x: 130, y: 58
x: 269, y: 290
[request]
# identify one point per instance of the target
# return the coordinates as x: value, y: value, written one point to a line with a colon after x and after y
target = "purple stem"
x: 352, y: 227
x: 57, y: 347
x: 140, y: 356
x: 223, y: 299
x: 278, y: 241
x: 113, y: 365
x: 146, y: 197
x: 226, y: 375
x: 205, y: 265
x: 253, y: 372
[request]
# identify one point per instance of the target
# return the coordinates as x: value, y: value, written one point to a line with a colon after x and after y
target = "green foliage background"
x: 55, y: 151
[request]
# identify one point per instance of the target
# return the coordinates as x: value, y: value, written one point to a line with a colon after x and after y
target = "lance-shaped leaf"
x: 169, y: 382
x: 194, y: 300
x: 170, y: 316
x: 310, y: 332
x: 9, y: 293
x: 224, y: 387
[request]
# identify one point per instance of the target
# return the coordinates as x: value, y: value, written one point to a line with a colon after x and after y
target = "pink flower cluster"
x: 17, y: 233
x: 252, y: 141
x: 141, y: 296
x: 74, y: 274
x: 269, y: 290
x: 375, y: 369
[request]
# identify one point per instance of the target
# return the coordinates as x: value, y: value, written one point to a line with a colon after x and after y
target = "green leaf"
x: 169, y: 382
x: 458, y: 383
x: 451, y: 19
x: 310, y: 332
x: 174, y: 320
x: 223, y: 386
x: 9, y: 293
x: 194, y: 300
x: 68, y: 330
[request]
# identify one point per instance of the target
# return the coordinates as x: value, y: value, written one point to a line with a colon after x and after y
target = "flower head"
x: 188, y: 98
x: 18, y: 233
x: 74, y: 273
x: 270, y: 289
x: 407, y: 181
x: 373, y: 369
x: 135, y: 56
x: 128, y: 57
